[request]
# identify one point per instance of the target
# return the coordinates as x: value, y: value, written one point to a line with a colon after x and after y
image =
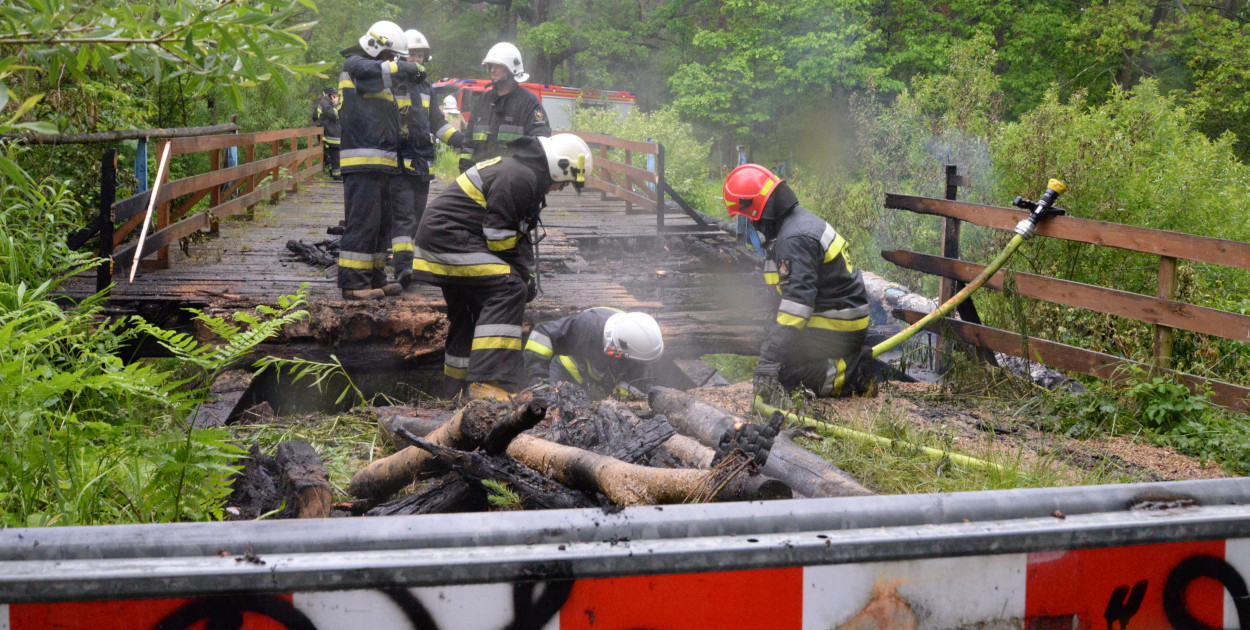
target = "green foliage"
x: 1157, y: 409
x: 239, y: 340
x: 229, y: 44
x: 501, y: 496
x: 346, y: 443
x: 1136, y: 159
x: 734, y: 367
x: 320, y: 375
x: 685, y: 156
x: 87, y: 438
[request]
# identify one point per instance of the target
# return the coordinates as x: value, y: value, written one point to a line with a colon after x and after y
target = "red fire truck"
x: 557, y: 100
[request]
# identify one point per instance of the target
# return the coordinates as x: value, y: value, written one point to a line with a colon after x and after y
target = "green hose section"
x: 956, y: 300
x: 767, y: 411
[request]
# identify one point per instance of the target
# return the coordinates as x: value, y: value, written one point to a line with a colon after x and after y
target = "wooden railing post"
x: 162, y: 213
x: 275, y: 151
x: 629, y: 181
x: 660, y: 185
x: 603, y: 153
x: 950, y: 235
x: 214, y: 195
x: 1167, y: 291
x: 295, y: 165
x: 108, y: 194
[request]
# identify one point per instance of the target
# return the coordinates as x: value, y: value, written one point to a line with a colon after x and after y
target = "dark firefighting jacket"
x: 497, y: 120
x: 369, y: 116
x: 576, y: 343
x: 477, y: 230
x: 418, y: 120
x: 807, y: 262
x: 327, y: 116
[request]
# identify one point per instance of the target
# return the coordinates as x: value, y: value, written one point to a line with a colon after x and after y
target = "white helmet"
x: 449, y: 104
x: 633, y: 336
x: 417, y: 41
x: 383, y: 36
x: 508, y: 56
x: 568, y: 158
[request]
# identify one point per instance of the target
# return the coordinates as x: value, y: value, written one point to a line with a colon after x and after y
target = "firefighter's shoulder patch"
x: 539, y: 115
x: 783, y: 269
x: 483, y: 164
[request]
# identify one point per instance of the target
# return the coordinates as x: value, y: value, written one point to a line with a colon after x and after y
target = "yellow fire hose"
x: 859, y: 436
x: 1042, y: 208
x: 1024, y: 230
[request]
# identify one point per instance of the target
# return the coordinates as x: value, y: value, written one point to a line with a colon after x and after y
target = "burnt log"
x: 684, y: 450
x: 445, y: 495
x: 630, y: 484
x: 304, y: 483
x: 476, y: 425
x: 807, y: 473
x: 419, y: 425
x: 535, y: 491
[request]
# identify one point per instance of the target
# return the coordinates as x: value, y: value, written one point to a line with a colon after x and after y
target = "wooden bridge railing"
x: 287, y: 166
x: 636, y: 186
x: 1164, y: 312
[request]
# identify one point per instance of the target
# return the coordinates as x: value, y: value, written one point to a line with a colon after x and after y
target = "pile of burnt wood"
x: 553, y: 448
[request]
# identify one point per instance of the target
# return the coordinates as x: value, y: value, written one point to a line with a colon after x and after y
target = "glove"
x: 414, y: 71
x: 765, y: 381
x: 863, y: 381
x: 531, y: 288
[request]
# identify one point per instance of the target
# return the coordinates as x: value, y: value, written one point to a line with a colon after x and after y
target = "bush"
x: 685, y: 158
x: 1136, y: 159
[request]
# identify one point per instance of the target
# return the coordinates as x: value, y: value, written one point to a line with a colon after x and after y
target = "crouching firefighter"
x: 474, y: 243
x: 601, y: 349
x: 818, y: 338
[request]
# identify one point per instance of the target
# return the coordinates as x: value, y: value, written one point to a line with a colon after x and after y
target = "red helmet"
x: 747, y: 190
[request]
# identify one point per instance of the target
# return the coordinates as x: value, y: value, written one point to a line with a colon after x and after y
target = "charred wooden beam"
x: 472, y: 427
x: 630, y: 484
x: 445, y: 495
x: 535, y: 491
x: 805, y: 472
x: 305, y: 484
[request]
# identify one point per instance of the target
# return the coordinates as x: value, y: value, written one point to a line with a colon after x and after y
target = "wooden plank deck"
x: 705, y: 310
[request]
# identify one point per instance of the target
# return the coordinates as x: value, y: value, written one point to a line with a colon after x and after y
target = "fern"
x: 320, y: 373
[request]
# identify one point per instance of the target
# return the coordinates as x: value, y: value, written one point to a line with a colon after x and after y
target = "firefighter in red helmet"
x: 818, y: 338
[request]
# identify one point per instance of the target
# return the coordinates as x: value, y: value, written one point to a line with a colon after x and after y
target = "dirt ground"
x: 976, y: 431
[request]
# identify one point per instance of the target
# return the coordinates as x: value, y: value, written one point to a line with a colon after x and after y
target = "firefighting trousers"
x: 365, y: 243
x: 407, y: 205
x: 825, y: 361
x: 330, y: 159
x: 484, y: 331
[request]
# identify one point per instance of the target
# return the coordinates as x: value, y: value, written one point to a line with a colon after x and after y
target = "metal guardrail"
x: 203, y: 559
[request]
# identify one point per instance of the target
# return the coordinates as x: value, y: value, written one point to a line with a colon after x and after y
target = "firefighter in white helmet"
x: 474, y: 242
x: 369, y: 156
x: 602, y: 349
x: 504, y: 112
x: 420, y: 122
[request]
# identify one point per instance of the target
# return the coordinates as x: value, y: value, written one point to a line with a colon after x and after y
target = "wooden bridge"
x: 598, y: 250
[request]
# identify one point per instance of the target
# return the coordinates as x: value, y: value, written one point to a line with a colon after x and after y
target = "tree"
x: 231, y: 44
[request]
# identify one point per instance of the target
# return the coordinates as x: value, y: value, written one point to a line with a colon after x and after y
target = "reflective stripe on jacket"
x: 497, y: 120
x: 475, y: 231
x: 819, y: 287
x: 418, y: 120
x: 576, y: 342
x: 369, y: 117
